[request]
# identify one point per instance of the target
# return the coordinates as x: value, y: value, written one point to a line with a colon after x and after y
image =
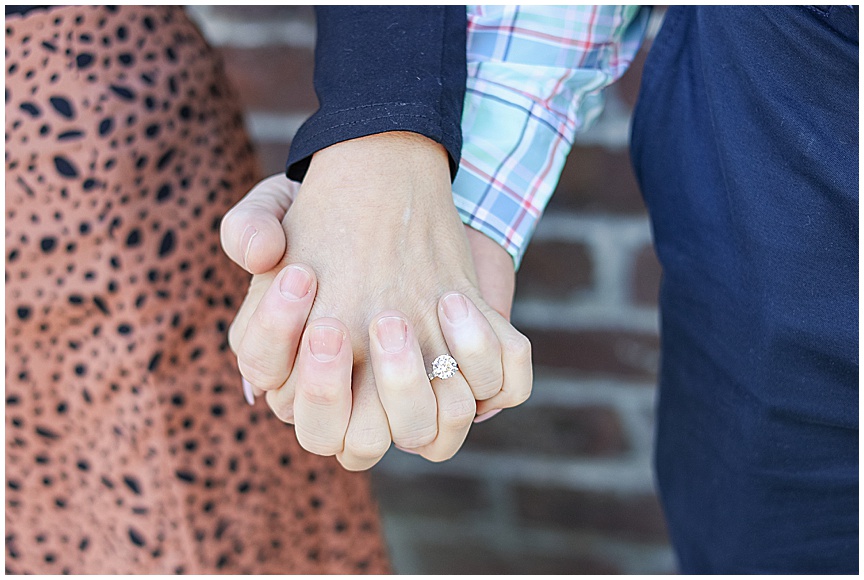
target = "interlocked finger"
x: 473, y: 343
x: 516, y: 363
x: 368, y: 436
x: 257, y: 288
x: 402, y: 383
x: 322, y: 399
x: 456, y: 411
x: 268, y: 347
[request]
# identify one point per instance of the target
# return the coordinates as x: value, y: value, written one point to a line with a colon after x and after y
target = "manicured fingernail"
x: 247, y: 392
x: 325, y: 342
x: 411, y: 451
x: 455, y: 308
x: 392, y: 333
x: 295, y: 283
x: 248, y: 235
x: 485, y: 416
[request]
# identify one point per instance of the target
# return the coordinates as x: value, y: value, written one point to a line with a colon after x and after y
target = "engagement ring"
x: 443, y: 367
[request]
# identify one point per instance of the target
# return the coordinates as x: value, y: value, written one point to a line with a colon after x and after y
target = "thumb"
x: 251, y: 232
x: 496, y: 277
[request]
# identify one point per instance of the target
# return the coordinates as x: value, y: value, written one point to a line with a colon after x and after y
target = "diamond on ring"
x: 443, y: 367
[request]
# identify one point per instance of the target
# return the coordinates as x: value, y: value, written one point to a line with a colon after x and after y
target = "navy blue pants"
x: 745, y: 143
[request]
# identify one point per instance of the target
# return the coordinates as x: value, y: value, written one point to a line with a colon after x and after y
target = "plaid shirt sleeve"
x: 535, y: 77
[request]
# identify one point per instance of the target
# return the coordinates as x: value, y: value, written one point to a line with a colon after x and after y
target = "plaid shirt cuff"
x: 535, y: 78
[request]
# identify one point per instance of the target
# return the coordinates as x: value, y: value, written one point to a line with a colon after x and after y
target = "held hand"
x: 252, y: 236
x: 371, y: 259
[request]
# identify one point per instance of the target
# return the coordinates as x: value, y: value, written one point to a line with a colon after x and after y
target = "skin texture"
x: 373, y: 277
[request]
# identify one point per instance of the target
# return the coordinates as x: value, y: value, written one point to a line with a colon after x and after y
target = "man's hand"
x: 375, y: 220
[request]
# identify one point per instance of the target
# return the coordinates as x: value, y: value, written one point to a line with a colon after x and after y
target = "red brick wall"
x: 564, y: 483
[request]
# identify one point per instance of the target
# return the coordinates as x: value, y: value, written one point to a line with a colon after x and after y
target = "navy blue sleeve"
x: 386, y: 68
x: 22, y: 10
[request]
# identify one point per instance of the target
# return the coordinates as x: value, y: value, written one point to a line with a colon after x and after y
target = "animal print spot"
x: 124, y: 93
x: 65, y: 167
x: 62, y: 106
x: 84, y: 60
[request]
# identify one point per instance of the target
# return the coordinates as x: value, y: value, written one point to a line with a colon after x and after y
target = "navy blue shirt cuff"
x: 379, y: 69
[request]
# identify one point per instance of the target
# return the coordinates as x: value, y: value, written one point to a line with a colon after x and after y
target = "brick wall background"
x: 563, y: 484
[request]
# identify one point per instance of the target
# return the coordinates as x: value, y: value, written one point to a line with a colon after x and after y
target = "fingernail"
x: 248, y: 235
x: 247, y: 392
x: 455, y: 308
x: 485, y: 416
x: 295, y: 283
x: 325, y: 342
x: 392, y: 333
x: 411, y: 451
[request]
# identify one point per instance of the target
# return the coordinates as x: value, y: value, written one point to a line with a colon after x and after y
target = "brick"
x: 626, y: 517
x: 598, y: 180
x: 460, y: 557
x: 592, y: 431
x: 259, y: 13
x: 622, y: 354
x: 554, y: 270
x: 272, y: 156
x: 440, y: 496
x: 646, y: 277
x: 272, y: 78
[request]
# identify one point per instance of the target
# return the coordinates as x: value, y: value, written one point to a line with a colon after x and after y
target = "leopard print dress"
x: 129, y: 447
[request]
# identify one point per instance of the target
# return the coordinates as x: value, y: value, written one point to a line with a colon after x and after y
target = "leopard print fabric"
x: 129, y: 447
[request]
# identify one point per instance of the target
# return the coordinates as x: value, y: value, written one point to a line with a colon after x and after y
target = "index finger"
x: 322, y: 399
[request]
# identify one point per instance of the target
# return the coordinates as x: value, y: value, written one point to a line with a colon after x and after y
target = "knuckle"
x: 481, y: 348
x: 457, y: 414
x: 439, y: 456
x: 519, y: 396
x: 321, y: 394
x: 398, y: 375
x: 367, y: 445
x: 350, y: 463
x: 415, y: 436
x: 283, y: 410
x: 523, y: 396
x: 486, y: 383
x: 317, y: 443
x: 267, y: 325
x: 398, y: 389
x: 258, y: 371
x: 518, y: 348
